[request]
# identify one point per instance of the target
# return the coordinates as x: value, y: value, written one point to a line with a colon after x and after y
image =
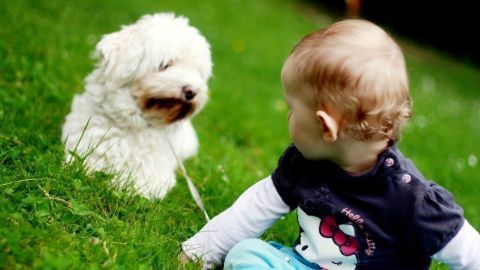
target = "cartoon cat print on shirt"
x: 324, y: 242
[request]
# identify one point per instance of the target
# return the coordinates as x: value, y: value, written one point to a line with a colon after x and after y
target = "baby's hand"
x: 183, y: 258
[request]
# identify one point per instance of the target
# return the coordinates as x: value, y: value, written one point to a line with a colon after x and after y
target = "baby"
x: 360, y: 203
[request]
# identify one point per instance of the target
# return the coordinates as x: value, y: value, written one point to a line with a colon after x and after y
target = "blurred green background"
x: 53, y: 216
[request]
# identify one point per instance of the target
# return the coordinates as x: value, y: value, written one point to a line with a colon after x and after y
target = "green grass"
x: 53, y: 216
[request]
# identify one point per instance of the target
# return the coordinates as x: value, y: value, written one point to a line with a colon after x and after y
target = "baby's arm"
x: 251, y: 214
x: 463, y: 251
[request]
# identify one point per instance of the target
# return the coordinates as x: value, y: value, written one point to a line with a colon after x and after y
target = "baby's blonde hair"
x: 358, y: 70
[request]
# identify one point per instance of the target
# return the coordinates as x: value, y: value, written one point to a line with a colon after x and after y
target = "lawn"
x: 53, y: 216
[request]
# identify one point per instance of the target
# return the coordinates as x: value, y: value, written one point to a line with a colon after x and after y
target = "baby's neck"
x: 359, y: 157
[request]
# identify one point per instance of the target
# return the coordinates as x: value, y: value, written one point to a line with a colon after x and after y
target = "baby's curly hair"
x: 358, y: 70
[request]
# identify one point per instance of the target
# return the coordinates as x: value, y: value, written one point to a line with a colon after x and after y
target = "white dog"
x: 151, y: 77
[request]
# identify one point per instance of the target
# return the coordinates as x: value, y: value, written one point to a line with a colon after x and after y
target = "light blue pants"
x: 256, y: 254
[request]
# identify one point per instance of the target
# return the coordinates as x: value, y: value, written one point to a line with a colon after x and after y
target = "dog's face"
x: 163, y: 62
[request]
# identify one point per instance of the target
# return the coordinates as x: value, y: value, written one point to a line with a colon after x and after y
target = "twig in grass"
x: 54, y: 198
x: 110, y: 259
x: 105, y: 248
x: 9, y: 138
x: 95, y: 240
x: 27, y: 180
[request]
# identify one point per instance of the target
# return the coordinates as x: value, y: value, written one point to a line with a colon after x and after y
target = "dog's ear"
x: 119, y: 56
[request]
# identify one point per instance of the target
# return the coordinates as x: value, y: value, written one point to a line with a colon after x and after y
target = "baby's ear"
x: 119, y: 56
x: 329, y: 126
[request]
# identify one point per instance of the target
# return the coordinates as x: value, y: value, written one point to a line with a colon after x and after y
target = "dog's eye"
x: 163, y: 66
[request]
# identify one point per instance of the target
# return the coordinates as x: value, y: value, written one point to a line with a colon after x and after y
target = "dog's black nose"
x: 188, y: 93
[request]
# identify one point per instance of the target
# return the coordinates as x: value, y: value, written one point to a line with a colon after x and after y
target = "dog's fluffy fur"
x: 151, y: 77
